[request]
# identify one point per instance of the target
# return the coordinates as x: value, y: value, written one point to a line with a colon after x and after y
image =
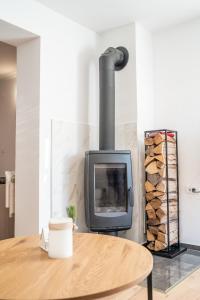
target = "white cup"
x: 60, y: 243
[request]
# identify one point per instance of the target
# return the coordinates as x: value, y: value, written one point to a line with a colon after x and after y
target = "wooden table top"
x: 101, y: 266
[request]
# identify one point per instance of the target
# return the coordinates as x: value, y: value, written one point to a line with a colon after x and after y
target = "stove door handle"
x: 130, y: 196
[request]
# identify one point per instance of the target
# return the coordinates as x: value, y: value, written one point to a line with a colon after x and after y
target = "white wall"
x: 177, y: 106
x: 27, y: 138
x: 144, y: 78
x: 145, y: 107
x: 67, y: 90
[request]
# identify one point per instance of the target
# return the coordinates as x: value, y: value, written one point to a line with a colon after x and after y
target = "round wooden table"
x: 101, y: 266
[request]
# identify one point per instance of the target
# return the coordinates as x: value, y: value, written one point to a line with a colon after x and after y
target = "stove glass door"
x: 110, y: 187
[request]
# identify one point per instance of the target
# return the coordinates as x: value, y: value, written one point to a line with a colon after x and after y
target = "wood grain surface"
x: 101, y: 266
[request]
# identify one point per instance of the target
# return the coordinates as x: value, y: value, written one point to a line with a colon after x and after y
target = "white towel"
x: 10, y: 192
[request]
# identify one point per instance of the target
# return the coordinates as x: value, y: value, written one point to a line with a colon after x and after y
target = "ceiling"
x: 100, y: 15
x: 11, y: 37
x: 14, y: 35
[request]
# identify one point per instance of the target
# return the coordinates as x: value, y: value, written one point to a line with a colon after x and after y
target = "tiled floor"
x: 169, y: 272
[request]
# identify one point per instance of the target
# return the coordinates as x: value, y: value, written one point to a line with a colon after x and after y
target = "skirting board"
x: 189, y: 246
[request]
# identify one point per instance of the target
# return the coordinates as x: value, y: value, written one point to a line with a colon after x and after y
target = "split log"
x: 164, y: 219
x: 152, y: 168
x: 160, y: 213
x: 172, y: 205
x: 150, y: 236
x: 162, y: 197
x: 148, y: 141
x: 161, y: 210
x: 153, y: 229
x: 172, y: 186
x: 159, y: 246
x: 160, y: 164
x: 171, y: 158
x: 155, y: 203
x: 151, y: 214
x: 162, y: 228
x: 173, y: 226
x: 161, y: 171
x: 162, y: 237
x: 149, y: 150
x: 148, y: 206
x: 160, y: 187
x: 158, y: 194
x: 171, y: 150
x: 160, y: 157
x: 158, y: 138
x: 152, y: 195
x: 154, y: 178
x: 148, y: 160
x: 151, y: 246
x: 159, y: 149
x: 171, y: 172
x: 173, y: 231
x: 153, y: 222
x: 172, y: 214
x: 149, y: 187
x: 149, y: 196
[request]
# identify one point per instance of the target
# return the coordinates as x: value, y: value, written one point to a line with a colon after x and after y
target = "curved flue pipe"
x: 113, y: 59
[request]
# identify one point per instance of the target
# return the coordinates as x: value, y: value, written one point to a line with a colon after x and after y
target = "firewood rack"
x: 168, y: 141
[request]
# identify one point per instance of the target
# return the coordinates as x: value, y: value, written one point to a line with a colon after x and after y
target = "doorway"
x: 8, y: 61
x: 25, y: 219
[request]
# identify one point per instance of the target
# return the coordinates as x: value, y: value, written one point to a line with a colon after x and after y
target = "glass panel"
x: 110, y: 188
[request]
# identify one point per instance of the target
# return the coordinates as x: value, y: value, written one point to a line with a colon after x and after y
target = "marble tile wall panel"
x: 69, y: 143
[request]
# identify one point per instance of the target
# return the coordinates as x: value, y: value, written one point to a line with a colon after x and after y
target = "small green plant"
x: 71, y: 212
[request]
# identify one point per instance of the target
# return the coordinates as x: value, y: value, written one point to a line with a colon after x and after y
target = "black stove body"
x: 108, y: 172
x: 108, y: 190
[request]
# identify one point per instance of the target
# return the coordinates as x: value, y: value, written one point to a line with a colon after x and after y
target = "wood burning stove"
x: 108, y: 173
x: 108, y: 190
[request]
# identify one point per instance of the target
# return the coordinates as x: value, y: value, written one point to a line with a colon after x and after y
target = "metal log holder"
x: 174, y: 249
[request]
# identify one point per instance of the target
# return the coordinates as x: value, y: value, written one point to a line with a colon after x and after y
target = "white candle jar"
x: 60, y: 243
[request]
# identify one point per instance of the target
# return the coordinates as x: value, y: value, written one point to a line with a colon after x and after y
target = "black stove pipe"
x: 113, y: 59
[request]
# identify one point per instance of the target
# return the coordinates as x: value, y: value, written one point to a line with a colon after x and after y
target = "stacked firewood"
x: 160, y: 205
